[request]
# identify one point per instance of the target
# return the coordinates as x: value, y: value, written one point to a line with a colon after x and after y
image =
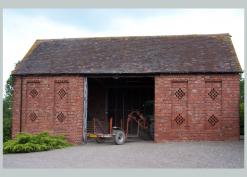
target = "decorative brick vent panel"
x: 33, y: 116
x: 213, y: 93
x: 213, y: 120
x: 62, y: 93
x: 61, y: 117
x: 179, y: 120
x: 49, y: 103
x: 34, y: 93
x: 193, y: 107
x: 179, y: 93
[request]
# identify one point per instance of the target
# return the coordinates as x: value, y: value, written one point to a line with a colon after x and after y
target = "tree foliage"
x: 7, y: 109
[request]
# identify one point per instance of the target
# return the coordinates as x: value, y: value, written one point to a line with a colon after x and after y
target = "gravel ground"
x: 140, y: 154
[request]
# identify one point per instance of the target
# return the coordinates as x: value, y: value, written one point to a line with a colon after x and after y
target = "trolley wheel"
x: 100, y: 140
x: 119, y: 138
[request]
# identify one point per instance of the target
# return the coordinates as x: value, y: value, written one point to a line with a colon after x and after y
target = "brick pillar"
x: 16, y: 106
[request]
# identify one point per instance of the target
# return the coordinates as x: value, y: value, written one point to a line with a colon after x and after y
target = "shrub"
x: 24, y: 143
x: 6, y: 129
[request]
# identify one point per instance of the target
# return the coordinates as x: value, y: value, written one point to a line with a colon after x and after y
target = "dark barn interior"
x: 116, y: 97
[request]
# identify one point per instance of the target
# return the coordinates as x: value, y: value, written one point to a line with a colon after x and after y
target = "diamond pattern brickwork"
x: 179, y: 120
x: 34, y: 93
x: 213, y: 120
x: 61, y: 117
x: 179, y: 93
x: 213, y: 93
x: 62, y: 93
x: 33, y: 116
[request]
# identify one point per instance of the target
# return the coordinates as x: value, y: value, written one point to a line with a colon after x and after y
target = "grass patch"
x: 24, y: 143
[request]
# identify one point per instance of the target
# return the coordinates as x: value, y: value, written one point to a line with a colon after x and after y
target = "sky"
x: 21, y: 27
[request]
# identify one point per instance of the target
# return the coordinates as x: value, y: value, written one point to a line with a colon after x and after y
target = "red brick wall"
x: 52, y: 104
x: 184, y: 109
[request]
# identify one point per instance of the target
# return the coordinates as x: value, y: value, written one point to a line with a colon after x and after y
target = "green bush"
x: 24, y: 143
x: 6, y: 129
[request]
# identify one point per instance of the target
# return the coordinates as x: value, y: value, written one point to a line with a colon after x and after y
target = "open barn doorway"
x: 125, y: 102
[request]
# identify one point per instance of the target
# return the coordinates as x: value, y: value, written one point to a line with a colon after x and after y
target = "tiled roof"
x: 212, y: 53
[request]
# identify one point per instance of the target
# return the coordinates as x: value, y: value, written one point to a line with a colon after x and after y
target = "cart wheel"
x: 100, y: 140
x: 119, y: 138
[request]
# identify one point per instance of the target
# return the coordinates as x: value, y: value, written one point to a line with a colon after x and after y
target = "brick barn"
x: 193, y: 81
